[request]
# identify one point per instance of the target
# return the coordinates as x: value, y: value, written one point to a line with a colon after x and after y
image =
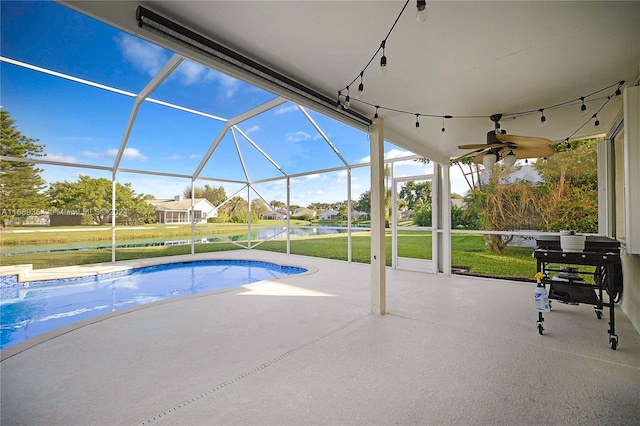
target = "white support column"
x: 437, y: 208
x: 113, y: 217
x: 248, y: 215
x: 349, y: 214
x: 378, y: 257
x: 446, y: 218
x: 288, y: 215
x: 193, y: 217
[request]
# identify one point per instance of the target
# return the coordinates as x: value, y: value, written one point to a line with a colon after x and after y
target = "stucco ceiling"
x: 468, y: 59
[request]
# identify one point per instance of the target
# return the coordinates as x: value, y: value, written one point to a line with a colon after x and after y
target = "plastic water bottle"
x: 542, y: 298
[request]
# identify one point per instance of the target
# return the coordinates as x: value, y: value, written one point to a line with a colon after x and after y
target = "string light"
x: 448, y: 116
x: 543, y: 119
x: 347, y: 100
x: 421, y: 14
x: 383, y: 59
x: 421, y: 7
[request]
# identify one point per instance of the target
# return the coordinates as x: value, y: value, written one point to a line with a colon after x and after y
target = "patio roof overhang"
x: 469, y: 60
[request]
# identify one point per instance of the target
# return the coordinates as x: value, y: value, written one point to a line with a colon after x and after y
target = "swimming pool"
x: 30, y: 309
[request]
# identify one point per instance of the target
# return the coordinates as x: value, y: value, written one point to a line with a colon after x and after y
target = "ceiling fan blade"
x: 535, y: 152
x: 524, y: 141
x: 478, y: 158
x: 468, y: 154
x: 481, y: 146
x: 520, y: 153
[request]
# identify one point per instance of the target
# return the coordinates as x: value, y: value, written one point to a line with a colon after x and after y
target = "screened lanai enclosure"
x: 257, y: 125
x: 169, y: 127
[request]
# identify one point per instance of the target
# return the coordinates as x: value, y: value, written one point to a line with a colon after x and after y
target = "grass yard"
x: 468, y: 251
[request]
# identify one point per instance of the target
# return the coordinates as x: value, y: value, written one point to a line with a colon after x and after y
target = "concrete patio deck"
x: 304, y: 349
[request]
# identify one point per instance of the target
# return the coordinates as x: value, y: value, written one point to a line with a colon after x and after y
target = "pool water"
x: 30, y: 309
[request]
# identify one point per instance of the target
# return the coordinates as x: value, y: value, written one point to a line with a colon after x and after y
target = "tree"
x: 317, y: 206
x: 364, y: 202
x: 259, y: 208
x: 92, y: 197
x: 343, y: 211
x: 416, y: 194
x: 215, y: 196
x: 20, y: 183
x: 275, y: 204
x: 569, y: 198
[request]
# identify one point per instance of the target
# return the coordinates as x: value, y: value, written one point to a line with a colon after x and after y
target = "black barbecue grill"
x: 569, y: 286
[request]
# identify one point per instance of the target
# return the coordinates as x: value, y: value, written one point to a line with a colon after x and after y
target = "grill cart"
x: 568, y: 285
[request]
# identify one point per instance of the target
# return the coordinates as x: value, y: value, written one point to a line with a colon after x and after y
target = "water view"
x: 276, y: 232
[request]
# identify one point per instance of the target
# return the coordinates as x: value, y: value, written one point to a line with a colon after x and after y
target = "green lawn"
x: 468, y: 251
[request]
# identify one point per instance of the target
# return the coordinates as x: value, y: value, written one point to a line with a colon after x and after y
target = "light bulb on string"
x: 567, y: 147
x: 347, y: 100
x: 421, y: 13
x: 597, y: 122
x: 543, y: 119
x: 383, y: 60
x: 443, y: 117
x: 618, y: 93
x: 583, y: 107
x: 338, y: 104
x: 417, y: 123
x: 360, y: 86
x: 376, y: 114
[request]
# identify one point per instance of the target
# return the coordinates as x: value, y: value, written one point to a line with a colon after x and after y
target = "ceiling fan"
x: 509, y: 148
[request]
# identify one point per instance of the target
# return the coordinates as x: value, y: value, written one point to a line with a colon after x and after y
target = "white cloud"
x: 129, y: 154
x: 392, y: 153
x: 132, y: 154
x: 61, y: 158
x: 230, y: 84
x: 251, y: 129
x: 195, y: 157
x: 149, y: 58
x: 285, y: 109
x: 175, y: 157
x: 144, y: 56
x: 191, y: 73
x: 313, y: 176
x: 300, y: 136
x: 90, y: 154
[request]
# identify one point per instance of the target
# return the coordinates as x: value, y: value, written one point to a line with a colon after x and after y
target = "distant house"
x: 177, y: 210
x: 328, y: 214
x: 303, y: 211
x: 458, y: 202
x: 405, y: 214
x: 280, y: 214
x: 359, y: 215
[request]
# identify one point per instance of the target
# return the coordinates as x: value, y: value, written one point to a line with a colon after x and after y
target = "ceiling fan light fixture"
x: 489, y: 160
x: 509, y: 159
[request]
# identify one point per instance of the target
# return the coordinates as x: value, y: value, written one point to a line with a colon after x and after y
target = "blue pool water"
x: 41, y: 306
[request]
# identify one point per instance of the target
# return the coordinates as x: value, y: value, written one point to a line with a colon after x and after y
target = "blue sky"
x: 82, y: 124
